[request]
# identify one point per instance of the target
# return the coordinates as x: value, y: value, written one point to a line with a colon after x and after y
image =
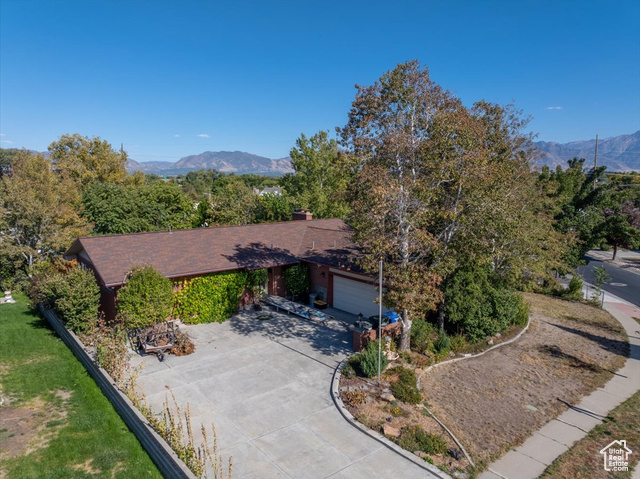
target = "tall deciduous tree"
x: 87, y: 160
x: 436, y: 183
x: 575, y: 204
x: 234, y: 204
x: 320, y: 179
x: 621, y: 226
x: 39, y: 210
x: 117, y: 209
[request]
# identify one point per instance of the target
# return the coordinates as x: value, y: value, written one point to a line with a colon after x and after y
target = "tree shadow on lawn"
x: 615, y: 346
x: 329, y: 339
x: 37, y: 321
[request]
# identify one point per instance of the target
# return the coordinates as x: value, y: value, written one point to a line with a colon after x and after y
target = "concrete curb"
x: 335, y: 395
x: 166, y: 460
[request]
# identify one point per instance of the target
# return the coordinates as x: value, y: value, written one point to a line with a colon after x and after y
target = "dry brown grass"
x: 495, y: 401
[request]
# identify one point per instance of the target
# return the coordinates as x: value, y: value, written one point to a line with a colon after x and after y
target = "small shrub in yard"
x: 366, y: 361
x: 414, y: 438
x: 458, y: 343
x: 395, y: 410
x: 112, y: 348
x: 354, y: 398
x: 422, y: 334
x: 348, y: 371
x: 574, y: 291
x: 145, y: 299
x: 404, y: 388
x: 443, y: 343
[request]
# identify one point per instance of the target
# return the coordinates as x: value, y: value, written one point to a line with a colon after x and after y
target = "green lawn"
x: 70, y: 427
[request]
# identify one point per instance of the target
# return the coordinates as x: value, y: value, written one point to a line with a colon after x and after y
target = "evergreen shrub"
x: 366, y: 361
x: 423, y: 333
x: 69, y: 289
x: 414, y: 438
x: 145, y: 299
x: 574, y: 291
x: 405, y: 388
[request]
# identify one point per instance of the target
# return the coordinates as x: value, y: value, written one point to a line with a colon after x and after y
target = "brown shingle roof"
x: 204, y: 250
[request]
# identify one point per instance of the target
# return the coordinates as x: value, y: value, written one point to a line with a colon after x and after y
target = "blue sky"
x: 168, y: 79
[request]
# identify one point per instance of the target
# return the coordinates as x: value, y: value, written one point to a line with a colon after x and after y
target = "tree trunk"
x: 441, y: 315
x: 615, y: 251
x: 405, y: 335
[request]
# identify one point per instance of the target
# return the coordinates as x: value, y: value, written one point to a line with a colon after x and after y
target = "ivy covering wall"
x: 213, y: 297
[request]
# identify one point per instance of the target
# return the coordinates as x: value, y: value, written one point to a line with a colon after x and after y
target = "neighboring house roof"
x: 269, y: 190
x: 192, y: 252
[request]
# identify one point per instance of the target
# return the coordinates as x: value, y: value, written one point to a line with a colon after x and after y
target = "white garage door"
x: 355, y: 297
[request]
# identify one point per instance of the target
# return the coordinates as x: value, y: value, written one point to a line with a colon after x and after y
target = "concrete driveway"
x: 265, y: 384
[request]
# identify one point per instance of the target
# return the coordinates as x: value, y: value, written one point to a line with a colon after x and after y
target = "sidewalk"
x: 530, y: 459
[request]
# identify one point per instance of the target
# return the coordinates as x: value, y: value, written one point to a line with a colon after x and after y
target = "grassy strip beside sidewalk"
x: 584, y: 461
x: 55, y: 420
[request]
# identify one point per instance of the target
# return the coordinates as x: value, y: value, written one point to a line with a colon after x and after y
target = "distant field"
x: 54, y: 420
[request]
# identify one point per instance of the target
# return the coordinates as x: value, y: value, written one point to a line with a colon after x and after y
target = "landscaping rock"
x: 498, y: 335
x: 421, y: 454
x: 490, y: 342
x: 455, y: 453
x: 387, y: 396
x: 460, y: 475
x: 390, y: 431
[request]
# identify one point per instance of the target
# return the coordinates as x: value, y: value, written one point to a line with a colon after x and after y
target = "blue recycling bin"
x: 393, y: 316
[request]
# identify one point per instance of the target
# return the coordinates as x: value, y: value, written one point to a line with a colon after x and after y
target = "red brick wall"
x: 276, y: 281
x: 316, y: 272
x: 108, y: 303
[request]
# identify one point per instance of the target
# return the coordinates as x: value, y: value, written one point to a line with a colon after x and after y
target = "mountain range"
x: 620, y: 153
x: 237, y: 162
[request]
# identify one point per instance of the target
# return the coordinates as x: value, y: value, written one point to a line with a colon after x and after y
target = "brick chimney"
x: 302, y: 215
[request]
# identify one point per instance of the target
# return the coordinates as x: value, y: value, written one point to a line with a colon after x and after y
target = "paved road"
x: 619, y: 277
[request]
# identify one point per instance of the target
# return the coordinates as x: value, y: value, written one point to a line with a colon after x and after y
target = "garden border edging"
x: 454, y: 360
x: 335, y: 384
x: 165, y: 458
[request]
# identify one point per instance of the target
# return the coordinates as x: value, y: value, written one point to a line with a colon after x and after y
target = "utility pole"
x: 595, y: 164
x: 379, y: 321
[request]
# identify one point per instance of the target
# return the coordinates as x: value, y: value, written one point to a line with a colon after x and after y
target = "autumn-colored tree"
x: 39, y: 214
x: 87, y: 160
x: 437, y: 183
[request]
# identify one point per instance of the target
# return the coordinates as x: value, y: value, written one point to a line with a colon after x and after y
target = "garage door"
x: 355, y: 297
